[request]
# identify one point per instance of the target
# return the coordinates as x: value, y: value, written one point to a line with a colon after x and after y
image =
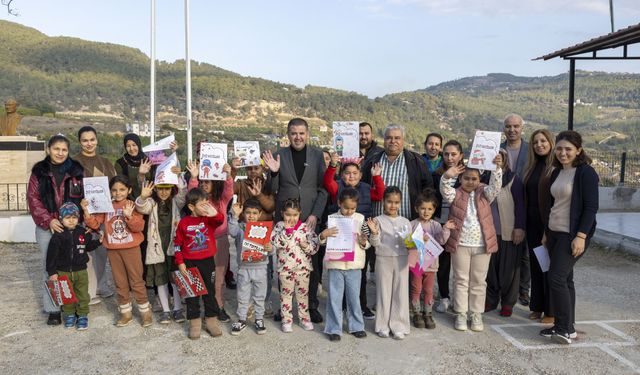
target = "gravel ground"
x: 605, y: 281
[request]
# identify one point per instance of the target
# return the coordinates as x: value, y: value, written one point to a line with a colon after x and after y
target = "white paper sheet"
x: 346, y: 139
x: 163, y: 172
x: 213, y: 157
x: 162, y: 144
x: 343, y: 241
x: 248, y: 152
x: 98, y: 194
x: 543, y: 258
x: 486, y: 146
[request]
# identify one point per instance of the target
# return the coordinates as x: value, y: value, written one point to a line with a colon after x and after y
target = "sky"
x: 373, y: 47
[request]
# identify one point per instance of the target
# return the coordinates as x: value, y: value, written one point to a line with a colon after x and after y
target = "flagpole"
x: 188, y: 83
x: 611, y: 14
x: 152, y: 94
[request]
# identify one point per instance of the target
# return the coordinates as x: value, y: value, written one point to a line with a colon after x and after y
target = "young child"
x: 195, y: 246
x: 344, y: 276
x: 122, y: 240
x: 473, y: 239
x: 252, y: 273
x: 163, y: 204
x: 392, y: 271
x: 423, y: 278
x: 67, y: 255
x: 508, y: 210
x: 294, y: 245
x: 350, y: 176
x: 220, y: 194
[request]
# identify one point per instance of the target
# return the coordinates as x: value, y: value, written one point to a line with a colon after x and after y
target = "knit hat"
x: 69, y: 209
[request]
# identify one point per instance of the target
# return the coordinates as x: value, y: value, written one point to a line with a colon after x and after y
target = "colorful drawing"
x: 213, y: 157
x: 346, y: 139
x: 248, y: 152
x: 486, y: 146
x: 97, y: 193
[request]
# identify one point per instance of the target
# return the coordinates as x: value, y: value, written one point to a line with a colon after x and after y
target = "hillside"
x: 107, y: 84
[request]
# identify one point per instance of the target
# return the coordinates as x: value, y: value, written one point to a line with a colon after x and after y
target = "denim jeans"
x: 341, y: 281
x: 42, y: 238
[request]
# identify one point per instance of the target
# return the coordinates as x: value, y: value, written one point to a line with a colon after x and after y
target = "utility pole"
x: 611, y: 13
x: 152, y: 88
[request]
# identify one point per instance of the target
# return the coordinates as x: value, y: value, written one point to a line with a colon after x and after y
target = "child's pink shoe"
x: 287, y: 327
x: 306, y: 325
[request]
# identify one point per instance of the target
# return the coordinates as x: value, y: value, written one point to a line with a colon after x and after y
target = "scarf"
x: 133, y: 161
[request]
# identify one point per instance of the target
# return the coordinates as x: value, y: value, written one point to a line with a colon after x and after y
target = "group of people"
x: 542, y: 192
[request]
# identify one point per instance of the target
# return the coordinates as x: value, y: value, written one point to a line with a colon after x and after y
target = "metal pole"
x: 152, y: 88
x: 572, y: 78
x: 188, y: 85
x: 623, y: 167
x: 611, y: 13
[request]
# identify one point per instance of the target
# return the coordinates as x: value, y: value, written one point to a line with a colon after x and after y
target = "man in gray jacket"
x: 518, y: 151
x: 297, y: 172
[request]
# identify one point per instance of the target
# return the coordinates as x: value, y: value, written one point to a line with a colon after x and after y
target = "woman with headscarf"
x: 134, y: 164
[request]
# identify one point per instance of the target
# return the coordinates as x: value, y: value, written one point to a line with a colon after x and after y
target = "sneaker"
x: 549, y: 332
x: 524, y: 299
x: 238, y: 327
x: 54, y: 319
x: 315, y: 315
x: 398, y: 336
x: 287, y: 327
x: 306, y: 325
x: 259, y: 326
x: 359, y: 334
x: 383, y: 334
x: 106, y: 294
x: 476, y: 322
x: 164, y: 318
x: 69, y: 321
x: 334, y: 337
x: 506, y: 311
x: 561, y: 338
x: 461, y: 322
x: 156, y: 306
x: 178, y: 316
x: 429, y: 323
x: 94, y: 301
x: 443, y: 306
x: 368, y: 314
x: 82, y: 323
x: 223, y: 316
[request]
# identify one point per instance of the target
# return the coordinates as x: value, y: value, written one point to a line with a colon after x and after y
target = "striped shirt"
x: 395, y: 174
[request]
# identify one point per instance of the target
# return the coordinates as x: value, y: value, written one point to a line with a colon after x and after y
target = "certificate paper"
x: 346, y: 139
x: 486, y: 146
x: 343, y: 242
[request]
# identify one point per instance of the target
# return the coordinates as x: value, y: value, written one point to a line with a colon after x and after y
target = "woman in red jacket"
x: 55, y: 180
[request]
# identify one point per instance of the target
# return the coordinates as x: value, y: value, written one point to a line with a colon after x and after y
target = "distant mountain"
x: 109, y: 84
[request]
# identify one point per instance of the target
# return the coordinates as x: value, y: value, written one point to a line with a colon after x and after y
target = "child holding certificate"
x: 344, y: 269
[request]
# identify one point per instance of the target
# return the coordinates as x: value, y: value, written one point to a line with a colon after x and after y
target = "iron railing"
x: 13, y: 197
x: 617, y: 168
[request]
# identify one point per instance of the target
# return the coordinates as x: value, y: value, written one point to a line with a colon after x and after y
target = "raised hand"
x: 192, y: 167
x: 454, y: 171
x: 147, y: 189
x: 128, y: 208
x: 173, y: 146
x: 498, y: 160
x: 374, y: 227
x: 227, y: 169
x: 145, y: 166
x: 236, y: 210
x: 255, y: 188
x: 84, y: 204
x: 376, y: 170
x: 335, y: 159
x: 272, y: 163
x: 236, y: 163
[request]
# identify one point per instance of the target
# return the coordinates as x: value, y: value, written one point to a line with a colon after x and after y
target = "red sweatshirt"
x: 194, y: 237
x: 330, y: 184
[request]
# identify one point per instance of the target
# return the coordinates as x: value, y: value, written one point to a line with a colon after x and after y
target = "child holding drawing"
x: 473, y: 240
x: 344, y: 274
x: 423, y: 269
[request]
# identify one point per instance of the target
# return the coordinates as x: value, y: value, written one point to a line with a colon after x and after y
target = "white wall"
x: 619, y: 198
x: 17, y: 229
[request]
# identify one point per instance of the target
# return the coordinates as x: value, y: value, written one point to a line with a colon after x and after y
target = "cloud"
x: 504, y: 7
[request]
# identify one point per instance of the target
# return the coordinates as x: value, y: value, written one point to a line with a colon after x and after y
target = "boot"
x: 146, y: 314
x: 195, y: 325
x: 126, y: 315
x: 417, y: 315
x: 428, y: 317
x: 213, y: 326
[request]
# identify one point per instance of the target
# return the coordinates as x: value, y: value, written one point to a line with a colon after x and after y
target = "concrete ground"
x: 608, y: 315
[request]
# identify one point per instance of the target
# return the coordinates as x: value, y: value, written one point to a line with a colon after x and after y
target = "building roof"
x: 623, y: 37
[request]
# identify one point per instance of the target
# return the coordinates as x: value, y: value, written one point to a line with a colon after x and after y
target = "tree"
x: 10, y: 8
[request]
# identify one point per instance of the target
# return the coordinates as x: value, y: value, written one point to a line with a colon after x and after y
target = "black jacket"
x: 584, y: 201
x: 371, y: 152
x: 419, y: 176
x: 68, y: 250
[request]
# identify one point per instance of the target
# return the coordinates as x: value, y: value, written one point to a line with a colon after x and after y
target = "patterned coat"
x: 291, y: 257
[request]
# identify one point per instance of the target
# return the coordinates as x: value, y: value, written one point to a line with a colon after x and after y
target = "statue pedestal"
x: 18, y: 154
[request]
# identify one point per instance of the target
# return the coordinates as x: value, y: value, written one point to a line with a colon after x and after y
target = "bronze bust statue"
x: 11, y: 119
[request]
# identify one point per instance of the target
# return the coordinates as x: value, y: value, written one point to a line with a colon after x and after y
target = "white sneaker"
x: 94, y: 301
x: 476, y: 322
x: 287, y: 327
x: 461, y: 322
x: 383, y: 334
x: 443, y: 306
x: 306, y: 325
x: 398, y: 336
